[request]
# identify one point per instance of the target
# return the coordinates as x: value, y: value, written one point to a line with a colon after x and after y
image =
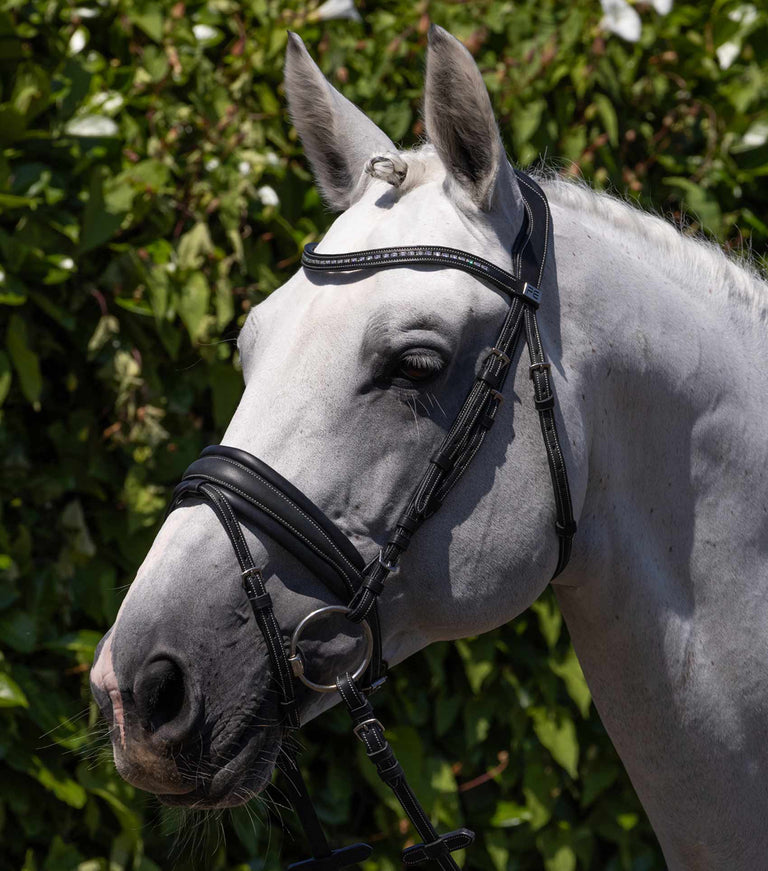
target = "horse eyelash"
x: 427, y: 362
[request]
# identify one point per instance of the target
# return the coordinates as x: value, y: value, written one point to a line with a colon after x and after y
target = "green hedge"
x: 151, y: 191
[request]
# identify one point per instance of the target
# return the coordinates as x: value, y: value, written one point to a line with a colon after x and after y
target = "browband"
x: 422, y: 255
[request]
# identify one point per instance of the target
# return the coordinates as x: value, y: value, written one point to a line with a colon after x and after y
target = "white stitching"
x: 290, y: 502
x: 228, y: 486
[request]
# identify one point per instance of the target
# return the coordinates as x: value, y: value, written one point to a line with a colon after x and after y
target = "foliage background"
x: 151, y: 191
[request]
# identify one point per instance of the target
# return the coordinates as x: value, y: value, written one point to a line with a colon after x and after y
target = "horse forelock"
x: 407, y: 170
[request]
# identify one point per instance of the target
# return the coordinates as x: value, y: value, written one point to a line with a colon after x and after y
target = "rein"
x: 240, y: 488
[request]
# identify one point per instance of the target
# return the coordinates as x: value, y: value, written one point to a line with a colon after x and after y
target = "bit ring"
x: 297, y: 663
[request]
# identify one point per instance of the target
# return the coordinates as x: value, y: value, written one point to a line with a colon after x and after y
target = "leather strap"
x: 436, y: 848
x: 478, y: 412
x: 544, y: 401
x: 260, y: 601
x: 255, y: 493
x: 421, y: 255
x: 323, y: 857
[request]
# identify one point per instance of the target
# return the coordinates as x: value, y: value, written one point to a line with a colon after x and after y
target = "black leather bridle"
x: 240, y: 488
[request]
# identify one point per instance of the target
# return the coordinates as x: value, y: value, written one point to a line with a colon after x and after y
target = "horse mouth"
x: 231, y: 780
x: 209, y: 771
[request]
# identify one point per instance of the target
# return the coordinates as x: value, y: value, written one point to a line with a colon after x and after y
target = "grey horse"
x: 658, y: 346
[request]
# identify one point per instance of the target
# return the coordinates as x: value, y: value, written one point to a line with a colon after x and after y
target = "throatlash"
x: 240, y: 488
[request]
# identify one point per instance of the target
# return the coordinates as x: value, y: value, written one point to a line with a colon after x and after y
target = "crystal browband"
x: 381, y: 258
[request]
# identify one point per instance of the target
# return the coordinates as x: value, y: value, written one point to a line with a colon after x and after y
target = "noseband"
x: 240, y: 488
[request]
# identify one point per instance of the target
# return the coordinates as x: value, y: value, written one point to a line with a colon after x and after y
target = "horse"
x: 657, y: 346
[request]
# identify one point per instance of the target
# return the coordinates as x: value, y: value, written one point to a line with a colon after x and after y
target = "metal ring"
x: 295, y: 657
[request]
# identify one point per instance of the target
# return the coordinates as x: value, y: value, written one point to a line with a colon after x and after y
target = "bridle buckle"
x: 543, y: 366
x: 297, y: 664
x: 497, y: 352
x: 365, y: 725
x: 391, y: 567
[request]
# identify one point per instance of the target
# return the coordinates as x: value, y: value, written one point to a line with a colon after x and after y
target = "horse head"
x: 351, y: 382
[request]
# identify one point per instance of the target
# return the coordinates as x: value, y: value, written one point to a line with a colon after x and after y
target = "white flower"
x: 113, y: 103
x: 204, y: 32
x: 338, y: 9
x: 211, y: 164
x: 244, y: 168
x: 84, y: 12
x: 620, y: 18
x: 756, y: 136
x: 662, y: 6
x: 109, y: 101
x: 170, y: 266
x: 67, y: 263
x: 272, y: 159
x: 268, y: 196
x: 745, y: 14
x: 727, y: 53
x: 77, y: 41
x: 91, y: 125
x: 2, y: 274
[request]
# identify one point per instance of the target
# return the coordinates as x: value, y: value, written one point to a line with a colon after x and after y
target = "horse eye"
x: 419, y: 367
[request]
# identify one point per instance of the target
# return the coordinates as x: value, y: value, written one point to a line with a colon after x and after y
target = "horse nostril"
x: 159, y: 694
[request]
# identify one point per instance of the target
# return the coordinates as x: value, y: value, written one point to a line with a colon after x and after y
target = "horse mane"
x: 685, y: 256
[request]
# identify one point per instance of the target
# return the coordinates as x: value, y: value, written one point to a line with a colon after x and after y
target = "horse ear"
x: 460, y: 122
x: 337, y: 137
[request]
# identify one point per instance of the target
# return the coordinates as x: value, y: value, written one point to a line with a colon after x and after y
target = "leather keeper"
x: 445, y: 844
x: 492, y: 379
x: 568, y: 528
x: 442, y: 461
x: 373, y: 585
x: 545, y: 403
x: 392, y: 774
x: 409, y: 523
x: 259, y: 602
x: 400, y: 538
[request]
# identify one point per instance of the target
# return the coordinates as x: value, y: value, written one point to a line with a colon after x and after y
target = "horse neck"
x: 670, y: 598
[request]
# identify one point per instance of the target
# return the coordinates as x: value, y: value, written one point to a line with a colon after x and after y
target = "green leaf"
x: 550, y: 618
x: 558, y: 734
x: 11, y: 695
x: 226, y: 390
x: 447, y: 708
x: 541, y: 787
x: 83, y: 641
x: 194, y: 299
x: 6, y: 376
x: 145, y: 501
x: 100, y: 220
x: 596, y: 779
x: 18, y: 630
x: 64, y: 788
x: 699, y: 200
x: 194, y: 246
x: 13, y: 291
x: 608, y: 116
x: 509, y: 814
x: 25, y: 360
x: 149, y: 19
x: 569, y: 670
